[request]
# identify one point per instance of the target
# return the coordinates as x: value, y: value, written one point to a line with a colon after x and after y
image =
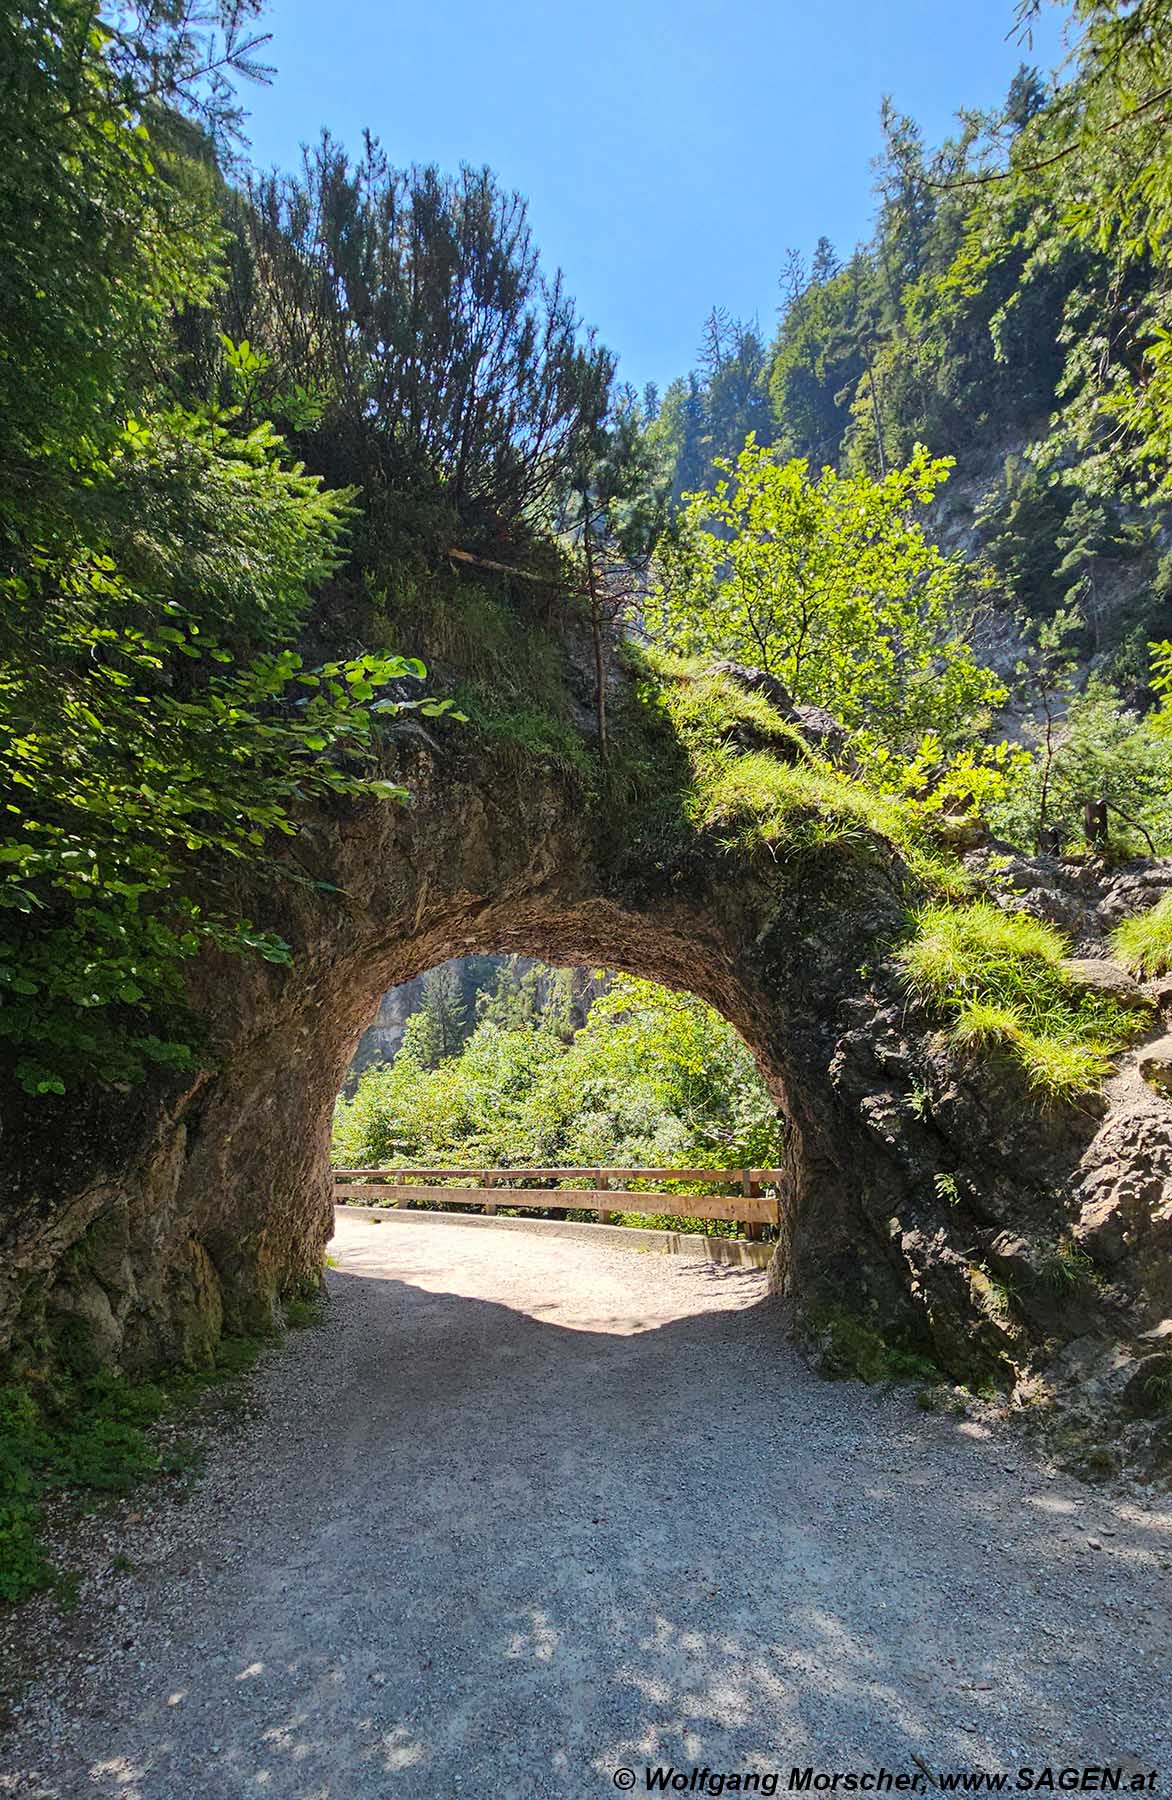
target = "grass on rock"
x: 1000, y: 978
x: 1144, y: 944
x: 753, y: 780
x: 697, y: 757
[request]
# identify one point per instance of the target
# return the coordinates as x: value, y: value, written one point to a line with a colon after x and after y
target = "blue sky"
x: 671, y: 150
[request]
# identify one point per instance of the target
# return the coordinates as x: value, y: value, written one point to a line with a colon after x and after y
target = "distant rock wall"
x: 381, y: 1039
x: 477, y: 974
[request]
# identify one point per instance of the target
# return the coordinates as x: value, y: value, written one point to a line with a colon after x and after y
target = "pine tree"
x: 439, y: 1029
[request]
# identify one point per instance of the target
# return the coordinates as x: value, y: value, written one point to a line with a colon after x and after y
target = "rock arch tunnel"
x: 161, y: 1218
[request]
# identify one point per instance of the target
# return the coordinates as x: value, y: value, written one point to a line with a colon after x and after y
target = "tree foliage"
x: 651, y: 1078
x: 1011, y: 312
x: 830, y: 584
x: 1011, y: 309
x: 1101, y: 753
x: 157, y: 559
x: 410, y: 309
x: 1092, y: 169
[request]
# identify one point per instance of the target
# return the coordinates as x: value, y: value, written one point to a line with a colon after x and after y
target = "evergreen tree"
x: 411, y: 309
x: 438, y: 1030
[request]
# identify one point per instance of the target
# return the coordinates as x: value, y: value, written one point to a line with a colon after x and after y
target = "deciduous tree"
x: 830, y: 584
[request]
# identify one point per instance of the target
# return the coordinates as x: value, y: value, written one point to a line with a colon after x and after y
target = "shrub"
x: 1101, y: 751
x: 395, y: 296
x: 829, y: 583
x: 653, y: 1078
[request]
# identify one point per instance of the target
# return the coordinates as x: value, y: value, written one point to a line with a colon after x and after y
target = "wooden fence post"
x: 602, y: 1181
x: 488, y: 1180
x: 750, y: 1189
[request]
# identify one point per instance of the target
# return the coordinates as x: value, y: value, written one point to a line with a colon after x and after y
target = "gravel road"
x: 526, y: 1512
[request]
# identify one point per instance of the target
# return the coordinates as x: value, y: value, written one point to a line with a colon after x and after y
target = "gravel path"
x: 526, y: 1512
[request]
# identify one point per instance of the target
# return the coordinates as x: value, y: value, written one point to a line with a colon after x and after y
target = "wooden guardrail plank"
x: 492, y: 1189
x: 407, y: 1172
x: 685, y: 1206
x: 379, y: 1195
x: 767, y: 1177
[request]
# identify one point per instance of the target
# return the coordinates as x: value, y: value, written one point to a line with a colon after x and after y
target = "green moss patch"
x: 303, y: 1313
x: 849, y: 1348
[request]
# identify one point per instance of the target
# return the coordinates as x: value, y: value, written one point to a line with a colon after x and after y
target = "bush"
x: 828, y: 582
x: 157, y: 562
x: 1101, y: 752
x: 394, y: 296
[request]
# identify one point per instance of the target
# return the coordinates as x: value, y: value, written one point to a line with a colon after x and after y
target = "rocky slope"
x: 1053, y: 1250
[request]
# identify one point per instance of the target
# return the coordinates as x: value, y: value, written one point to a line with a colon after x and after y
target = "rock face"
x: 1155, y: 1065
x: 1099, y: 976
x: 382, y: 1037
x: 929, y: 1196
x: 817, y: 726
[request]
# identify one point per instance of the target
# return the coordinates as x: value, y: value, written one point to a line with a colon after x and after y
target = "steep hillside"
x: 985, y: 321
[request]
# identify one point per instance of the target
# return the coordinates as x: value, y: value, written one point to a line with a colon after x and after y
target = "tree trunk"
x: 599, y: 645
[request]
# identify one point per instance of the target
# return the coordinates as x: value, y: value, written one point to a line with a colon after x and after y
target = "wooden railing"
x: 493, y: 1188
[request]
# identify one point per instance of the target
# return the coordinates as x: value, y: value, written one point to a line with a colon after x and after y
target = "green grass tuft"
x: 521, y: 735
x: 978, y: 950
x: 234, y: 1356
x: 1061, y: 1070
x: 981, y: 1024
x: 1001, y: 978
x: 1064, y: 1267
x: 1144, y: 944
x: 303, y: 1313
x: 753, y: 780
x: 713, y: 710
x: 89, y: 1436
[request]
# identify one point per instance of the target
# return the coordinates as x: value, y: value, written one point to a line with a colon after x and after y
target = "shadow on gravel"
x: 535, y: 1555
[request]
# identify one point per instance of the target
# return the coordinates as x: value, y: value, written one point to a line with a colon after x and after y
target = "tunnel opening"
x: 527, y: 1080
